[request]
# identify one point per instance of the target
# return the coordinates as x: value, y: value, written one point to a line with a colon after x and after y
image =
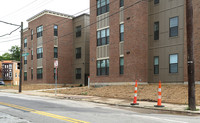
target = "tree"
x: 6, y: 56
x: 15, y: 53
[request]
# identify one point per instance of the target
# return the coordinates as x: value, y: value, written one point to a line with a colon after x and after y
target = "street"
x: 19, y: 108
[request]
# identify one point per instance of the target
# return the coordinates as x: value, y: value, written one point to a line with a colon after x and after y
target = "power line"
x: 19, y: 9
x: 10, y: 32
x: 94, y: 23
x: 9, y: 23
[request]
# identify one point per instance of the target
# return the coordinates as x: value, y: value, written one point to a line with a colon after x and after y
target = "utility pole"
x: 20, y: 79
x: 190, y: 57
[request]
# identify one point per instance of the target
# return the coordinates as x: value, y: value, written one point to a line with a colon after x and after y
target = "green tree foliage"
x: 13, y: 55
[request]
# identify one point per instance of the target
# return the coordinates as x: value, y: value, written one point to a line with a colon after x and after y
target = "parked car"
x: 2, y: 83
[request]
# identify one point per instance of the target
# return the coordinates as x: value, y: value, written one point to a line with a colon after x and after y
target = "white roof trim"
x: 50, y: 13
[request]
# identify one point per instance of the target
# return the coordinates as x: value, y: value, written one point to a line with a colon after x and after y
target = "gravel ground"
x: 5, y: 118
x: 171, y: 93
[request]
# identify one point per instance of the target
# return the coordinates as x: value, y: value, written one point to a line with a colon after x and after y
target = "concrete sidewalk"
x: 169, y: 108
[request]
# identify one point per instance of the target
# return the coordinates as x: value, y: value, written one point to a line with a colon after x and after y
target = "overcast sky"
x: 17, y: 11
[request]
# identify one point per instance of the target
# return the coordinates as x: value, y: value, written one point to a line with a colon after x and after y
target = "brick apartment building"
x: 54, y: 36
x: 141, y: 39
x: 9, y: 72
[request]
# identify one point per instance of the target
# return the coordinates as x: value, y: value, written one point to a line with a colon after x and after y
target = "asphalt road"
x: 18, y: 108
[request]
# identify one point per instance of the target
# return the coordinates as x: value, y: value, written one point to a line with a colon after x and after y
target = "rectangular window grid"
x: 103, y: 37
x: 103, y: 67
x: 121, y: 62
x: 39, y: 73
x: 102, y: 6
x: 39, y: 53
x: 78, y: 53
x: 173, y: 31
x: 156, y: 65
x: 156, y: 30
x: 55, y: 52
x: 55, y: 30
x: 39, y: 31
x: 78, y: 31
x: 121, y: 32
x: 78, y: 73
x: 173, y: 65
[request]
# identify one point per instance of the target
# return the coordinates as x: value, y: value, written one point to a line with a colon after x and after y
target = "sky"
x: 17, y: 11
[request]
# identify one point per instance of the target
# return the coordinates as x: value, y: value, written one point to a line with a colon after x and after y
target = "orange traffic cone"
x: 135, y: 96
x: 159, y: 96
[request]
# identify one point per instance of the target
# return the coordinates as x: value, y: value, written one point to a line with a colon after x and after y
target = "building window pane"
x: 39, y: 73
x: 156, y: 31
x: 103, y: 37
x: 39, y: 31
x: 25, y: 42
x: 25, y: 59
x: 156, y: 1
x: 78, y: 31
x: 55, y: 30
x: 121, y: 62
x: 122, y: 32
x: 156, y: 65
x: 25, y: 76
x: 31, y: 34
x: 55, y: 52
x: 103, y: 67
x: 173, y: 31
x: 39, y: 53
x: 78, y: 73
x: 173, y: 65
x: 102, y: 6
x: 78, y: 53
x: 121, y: 3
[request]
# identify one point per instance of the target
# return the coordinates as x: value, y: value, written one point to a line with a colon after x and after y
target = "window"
x: 55, y: 73
x: 31, y: 34
x: 55, y: 52
x: 78, y: 73
x: 15, y: 75
x: 25, y: 59
x: 39, y: 31
x: 103, y: 67
x: 31, y: 54
x: 156, y: 65
x: 25, y: 76
x: 121, y: 32
x: 102, y: 6
x: 156, y: 1
x: 39, y: 53
x: 173, y: 31
x: 156, y: 30
x: 78, y: 31
x: 121, y: 3
x: 121, y: 62
x: 103, y: 37
x: 78, y: 53
x: 55, y: 30
x: 25, y: 42
x: 10, y: 66
x: 173, y: 65
x: 39, y: 73
x: 31, y: 74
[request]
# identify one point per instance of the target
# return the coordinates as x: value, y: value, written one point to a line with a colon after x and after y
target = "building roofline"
x: 51, y: 13
x: 82, y: 15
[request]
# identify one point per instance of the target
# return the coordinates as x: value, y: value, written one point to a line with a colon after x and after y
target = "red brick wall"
x: 136, y: 41
x: 65, y: 48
